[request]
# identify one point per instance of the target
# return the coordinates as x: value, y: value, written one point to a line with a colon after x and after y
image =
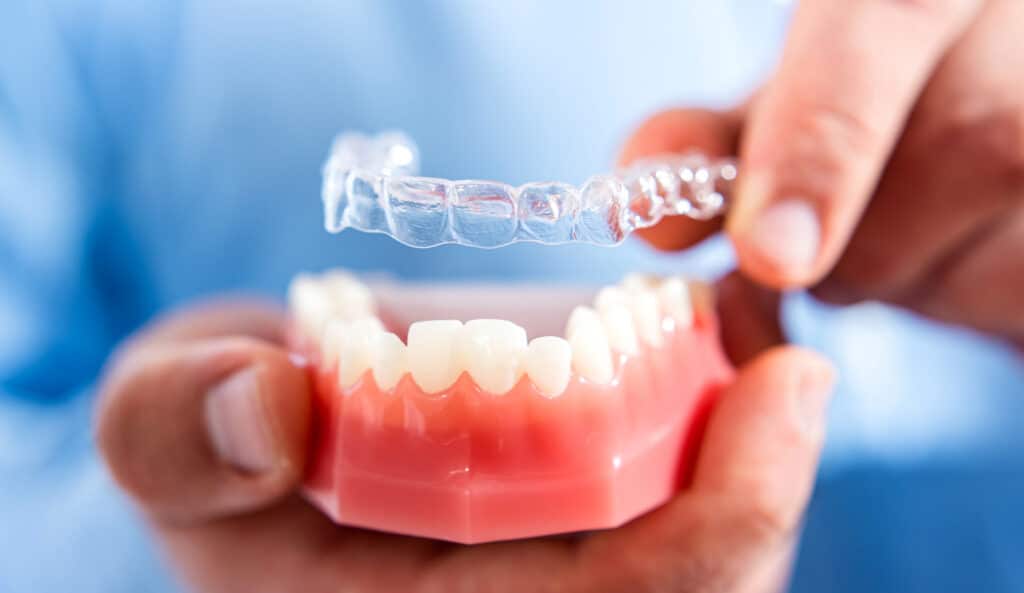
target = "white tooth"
x: 581, y: 316
x: 702, y: 296
x: 356, y: 352
x: 331, y: 342
x: 674, y: 297
x: 492, y: 351
x: 610, y: 296
x: 619, y: 323
x: 549, y: 363
x: 433, y: 354
x: 390, y: 361
x: 639, y: 282
x: 591, y: 355
x: 643, y: 304
x: 310, y: 304
x: 316, y: 300
x: 350, y: 298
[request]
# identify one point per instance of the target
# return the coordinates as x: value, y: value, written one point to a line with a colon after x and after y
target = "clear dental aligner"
x: 370, y: 184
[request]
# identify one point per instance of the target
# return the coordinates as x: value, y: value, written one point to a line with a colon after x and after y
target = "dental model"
x: 471, y: 432
x: 369, y: 184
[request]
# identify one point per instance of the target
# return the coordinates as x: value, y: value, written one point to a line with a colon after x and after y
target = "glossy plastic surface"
x: 369, y: 185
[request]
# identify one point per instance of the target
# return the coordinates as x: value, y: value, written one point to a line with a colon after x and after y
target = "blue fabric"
x: 157, y: 152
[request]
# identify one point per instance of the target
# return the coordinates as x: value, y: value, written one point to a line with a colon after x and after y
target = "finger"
x: 748, y: 317
x: 678, y: 131
x: 959, y: 167
x: 735, y: 526
x: 818, y: 137
x: 962, y: 290
x: 216, y: 318
x: 205, y: 428
x: 764, y: 437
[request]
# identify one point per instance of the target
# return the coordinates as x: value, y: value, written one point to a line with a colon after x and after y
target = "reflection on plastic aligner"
x: 370, y: 184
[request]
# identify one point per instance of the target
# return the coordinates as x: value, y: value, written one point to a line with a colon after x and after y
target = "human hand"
x: 884, y: 160
x: 205, y: 421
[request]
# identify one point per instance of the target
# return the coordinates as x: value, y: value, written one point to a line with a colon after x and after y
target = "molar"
x: 674, y: 297
x: 635, y: 281
x: 610, y: 296
x: 317, y: 300
x: 702, y: 297
x: 492, y: 351
x: 310, y: 303
x: 433, y: 354
x: 350, y: 298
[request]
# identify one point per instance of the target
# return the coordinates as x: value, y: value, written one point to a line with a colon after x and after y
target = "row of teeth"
x: 495, y: 352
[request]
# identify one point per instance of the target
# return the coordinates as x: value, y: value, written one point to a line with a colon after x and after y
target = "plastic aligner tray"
x: 370, y: 184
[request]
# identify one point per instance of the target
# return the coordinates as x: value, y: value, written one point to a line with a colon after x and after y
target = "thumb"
x: 733, y: 529
x: 760, y: 452
x: 207, y: 428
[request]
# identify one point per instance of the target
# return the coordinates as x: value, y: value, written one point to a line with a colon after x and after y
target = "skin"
x: 899, y: 122
x: 902, y: 125
x: 226, y: 529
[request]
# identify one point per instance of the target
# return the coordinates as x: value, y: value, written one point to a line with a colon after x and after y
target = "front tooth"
x: 310, y: 303
x: 643, y: 304
x: 549, y: 363
x: 619, y: 323
x: 433, y: 354
x: 591, y: 355
x: 357, y: 349
x: 674, y: 297
x: 492, y: 351
x: 390, y: 360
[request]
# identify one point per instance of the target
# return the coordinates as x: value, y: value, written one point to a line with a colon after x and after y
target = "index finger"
x: 821, y: 132
x: 681, y: 130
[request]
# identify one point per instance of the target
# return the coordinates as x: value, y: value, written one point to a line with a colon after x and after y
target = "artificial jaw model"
x: 440, y: 415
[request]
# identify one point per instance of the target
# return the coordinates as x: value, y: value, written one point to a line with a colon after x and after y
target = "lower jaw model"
x: 470, y: 432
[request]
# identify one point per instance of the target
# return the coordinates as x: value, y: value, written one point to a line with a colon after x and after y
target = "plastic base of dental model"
x: 370, y: 184
x: 435, y: 417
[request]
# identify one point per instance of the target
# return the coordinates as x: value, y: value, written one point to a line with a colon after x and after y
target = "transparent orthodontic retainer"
x: 370, y: 184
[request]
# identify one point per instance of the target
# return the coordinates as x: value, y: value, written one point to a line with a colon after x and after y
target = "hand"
x: 205, y: 421
x: 884, y: 160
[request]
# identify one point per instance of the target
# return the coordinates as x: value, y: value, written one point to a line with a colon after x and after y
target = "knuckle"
x: 936, y: 11
x: 827, y: 145
x: 768, y: 519
x: 993, y: 139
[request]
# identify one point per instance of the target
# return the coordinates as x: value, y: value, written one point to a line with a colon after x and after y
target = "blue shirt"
x: 153, y: 153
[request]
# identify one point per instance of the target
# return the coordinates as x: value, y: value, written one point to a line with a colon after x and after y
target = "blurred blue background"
x: 155, y: 152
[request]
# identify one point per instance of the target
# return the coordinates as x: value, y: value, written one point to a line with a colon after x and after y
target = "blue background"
x: 156, y: 152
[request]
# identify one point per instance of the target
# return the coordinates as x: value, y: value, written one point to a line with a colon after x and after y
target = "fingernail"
x: 814, y: 392
x: 787, y: 235
x: 237, y: 422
